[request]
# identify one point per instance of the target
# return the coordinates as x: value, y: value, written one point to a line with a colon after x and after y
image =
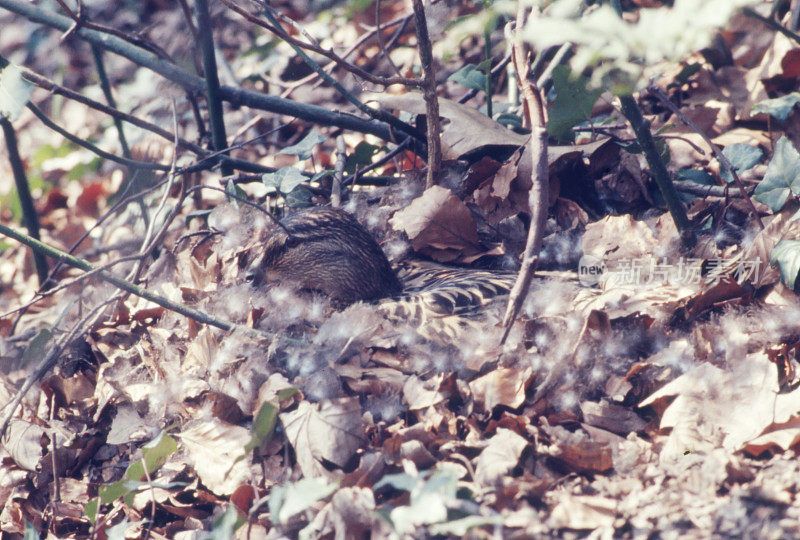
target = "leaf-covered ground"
x: 656, y: 399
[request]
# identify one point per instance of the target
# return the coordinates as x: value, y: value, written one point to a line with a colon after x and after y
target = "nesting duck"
x: 328, y: 251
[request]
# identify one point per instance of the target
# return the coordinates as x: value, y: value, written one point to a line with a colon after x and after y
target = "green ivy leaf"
x: 37, y: 347
x: 289, y: 499
x: 786, y: 256
x: 305, y: 147
x: 233, y: 188
x: 284, y: 180
x: 299, y: 197
x: 361, y: 156
x: 470, y: 76
x: 742, y: 156
x: 692, y: 175
x: 782, y: 177
x: 573, y: 103
x: 778, y: 108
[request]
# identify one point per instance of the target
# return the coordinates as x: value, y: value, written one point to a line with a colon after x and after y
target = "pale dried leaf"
x: 503, y: 386
x: 499, y: 457
x: 213, y: 448
x: 327, y: 431
x: 128, y: 427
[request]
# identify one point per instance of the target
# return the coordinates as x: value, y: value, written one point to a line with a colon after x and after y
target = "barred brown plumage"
x: 327, y: 250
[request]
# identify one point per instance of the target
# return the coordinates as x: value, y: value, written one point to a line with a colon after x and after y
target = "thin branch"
x: 377, y: 114
x: 48, y: 362
x: 429, y: 92
x: 336, y: 186
x: 41, y: 295
x: 105, y: 86
x: 702, y: 190
x: 641, y: 128
x: 132, y: 288
x: 91, y: 147
x: 116, y: 114
x: 331, y: 65
x: 538, y: 195
x: 29, y: 215
x: 658, y: 94
x: 216, y: 119
x: 80, y: 21
x: 379, y: 36
x: 193, y: 83
x: 329, y: 54
x: 385, y: 159
x: 775, y: 25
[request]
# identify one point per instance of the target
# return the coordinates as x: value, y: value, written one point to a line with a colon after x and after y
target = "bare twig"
x: 336, y: 186
x: 105, y: 86
x: 352, y: 68
x: 693, y: 188
x: 48, y: 362
x: 641, y: 128
x: 51, y: 86
x: 377, y: 114
x: 91, y: 147
x: 215, y: 117
x: 429, y: 92
x: 658, y: 94
x: 151, y: 240
x: 379, y: 35
x: 29, y: 215
x: 132, y: 288
x: 775, y: 25
x: 538, y: 194
x: 79, y: 21
x: 402, y: 21
x: 385, y: 159
x: 234, y: 95
x: 41, y: 295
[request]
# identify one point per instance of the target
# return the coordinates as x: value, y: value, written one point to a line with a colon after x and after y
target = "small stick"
x: 538, y: 195
x: 336, y: 187
x: 429, y: 92
x: 658, y: 94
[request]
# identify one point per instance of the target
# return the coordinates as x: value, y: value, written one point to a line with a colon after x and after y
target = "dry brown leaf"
x: 714, y: 408
x: 503, y: 386
x: 464, y: 130
x: 611, y: 417
x: 616, y: 238
x: 780, y: 438
x: 268, y: 392
x: 201, y: 352
x: 770, y: 66
x: 583, y: 512
x: 213, y: 449
x: 499, y: 457
x: 128, y: 427
x: 439, y: 225
x: 23, y: 441
x: 778, y: 227
x: 419, y: 394
x: 329, y: 431
x: 349, y: 514
x: 578, y: 451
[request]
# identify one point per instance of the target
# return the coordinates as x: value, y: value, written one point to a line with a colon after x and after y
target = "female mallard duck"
x: 328, y: 251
